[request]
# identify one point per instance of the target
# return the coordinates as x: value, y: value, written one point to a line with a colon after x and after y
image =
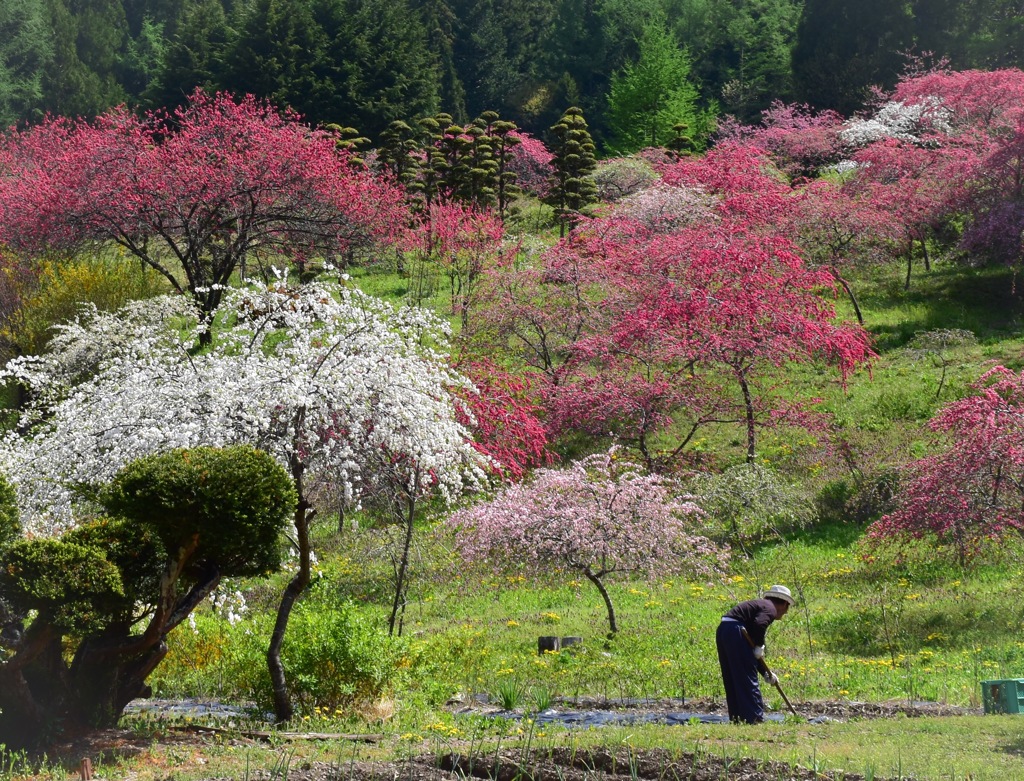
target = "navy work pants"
x: 739, y: 673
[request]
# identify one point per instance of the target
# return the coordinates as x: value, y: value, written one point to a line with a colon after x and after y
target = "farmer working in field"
x: 740, y: 642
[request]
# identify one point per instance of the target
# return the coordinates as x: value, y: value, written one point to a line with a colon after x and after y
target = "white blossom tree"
x: 331, y: 382
x: 905, y: 121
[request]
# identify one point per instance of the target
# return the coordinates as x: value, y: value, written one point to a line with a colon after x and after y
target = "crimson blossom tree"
x: 600, y: 517
x: 651, y: 331
x: 503, y: 412
x: 837, y: 228
x: 461, y: 242
x: 919, y: 186
x: 204, y: 190
x: 339, y: 387
x: 945, y: 145
x: 972, y: 490
x: 799, y: 140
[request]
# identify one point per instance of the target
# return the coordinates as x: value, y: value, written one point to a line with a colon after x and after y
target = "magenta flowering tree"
x: 973, y: 489
x: 655, y: 322
x: 602, y: 516
x: 530, y: 161
x: 799, y: 140
x: 195, y: 194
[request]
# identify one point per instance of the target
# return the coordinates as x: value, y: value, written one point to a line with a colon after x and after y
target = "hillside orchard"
x: 571, y: 396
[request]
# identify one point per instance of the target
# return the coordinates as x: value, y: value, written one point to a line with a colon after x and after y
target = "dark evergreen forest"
x: 364, y: 63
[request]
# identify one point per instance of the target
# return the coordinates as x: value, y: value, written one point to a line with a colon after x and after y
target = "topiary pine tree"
x: 86, y: 615
x: 398, y: 153
x: 680, y: 144
x: 504, y: 140
x: 434, y: 170
x: 574, y: 158
x: 350, y: 140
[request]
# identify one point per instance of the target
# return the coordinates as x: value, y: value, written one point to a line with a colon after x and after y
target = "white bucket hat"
x: 781, y: 593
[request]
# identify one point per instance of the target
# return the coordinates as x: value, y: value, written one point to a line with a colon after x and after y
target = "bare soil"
x: 508, y: 765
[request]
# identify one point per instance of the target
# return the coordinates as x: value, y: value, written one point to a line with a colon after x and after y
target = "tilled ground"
x: 564, y: 764
x: 839, y: 710
x: 513, y: 765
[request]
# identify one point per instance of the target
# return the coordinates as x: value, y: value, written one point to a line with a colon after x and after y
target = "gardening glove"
x: 759, y: 652
x: 773, y: 679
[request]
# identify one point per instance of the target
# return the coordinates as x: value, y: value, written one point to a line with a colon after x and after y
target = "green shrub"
x: 833, y: 500
x: 334, y: 656
x: 234, y: 498
x: 73, y: 587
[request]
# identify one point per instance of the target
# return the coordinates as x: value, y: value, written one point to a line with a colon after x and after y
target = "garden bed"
x: 555, y: 764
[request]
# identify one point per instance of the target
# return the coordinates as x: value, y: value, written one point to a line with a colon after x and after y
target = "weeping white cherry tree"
x: 332, y: 383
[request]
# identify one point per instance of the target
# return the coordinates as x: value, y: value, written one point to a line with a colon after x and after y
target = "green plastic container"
x: 1006, y: 696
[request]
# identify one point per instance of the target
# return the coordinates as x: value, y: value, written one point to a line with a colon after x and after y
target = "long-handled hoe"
x: 762, y: 666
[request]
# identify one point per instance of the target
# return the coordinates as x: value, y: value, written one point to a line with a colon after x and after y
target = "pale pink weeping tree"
x: 601, y: 516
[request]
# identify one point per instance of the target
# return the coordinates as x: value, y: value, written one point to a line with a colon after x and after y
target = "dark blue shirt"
x: 756, y: 615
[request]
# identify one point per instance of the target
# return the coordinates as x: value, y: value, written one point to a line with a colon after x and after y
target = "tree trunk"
x: 748, y: 404
x: 613, y: 628
x: 24, y: 711
x: 403, y: 564
x: 849, y: 292
x: 283, y: 709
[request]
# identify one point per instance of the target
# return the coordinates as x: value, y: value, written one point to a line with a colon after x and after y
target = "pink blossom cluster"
x: 530, y: 161
x: 601, y: 514
x: 971, y: 490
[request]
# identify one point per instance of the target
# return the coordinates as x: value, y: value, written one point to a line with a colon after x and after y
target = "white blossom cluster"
x: 895, y: 119
x: 231, y: 605
x: 324, y: 378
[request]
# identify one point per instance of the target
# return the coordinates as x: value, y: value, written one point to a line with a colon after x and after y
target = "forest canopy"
x: 367, y: 63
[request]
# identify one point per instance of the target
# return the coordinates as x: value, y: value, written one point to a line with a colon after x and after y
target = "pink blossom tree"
x: 502, y: 412
x: 967, y: 101
x: 651, y: 334
x: 995, y: 201
x: 972, y: 489
x: 692, y: 330
x: 202, y: 191
x: 665, y: 208
x: 799, y: 141
x: 837, y: 229
x: 600, y: 517
x: 944, y: 145
x: 918, y: 186
x: 530, y: 161
x: 460, y: 242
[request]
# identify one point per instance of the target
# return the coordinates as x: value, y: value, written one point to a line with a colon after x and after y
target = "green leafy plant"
x: 510, y: 694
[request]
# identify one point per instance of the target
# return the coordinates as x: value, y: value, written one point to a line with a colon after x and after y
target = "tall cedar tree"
x: 26, y: 49
x: 651, y: 95
x: 194, y: 56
